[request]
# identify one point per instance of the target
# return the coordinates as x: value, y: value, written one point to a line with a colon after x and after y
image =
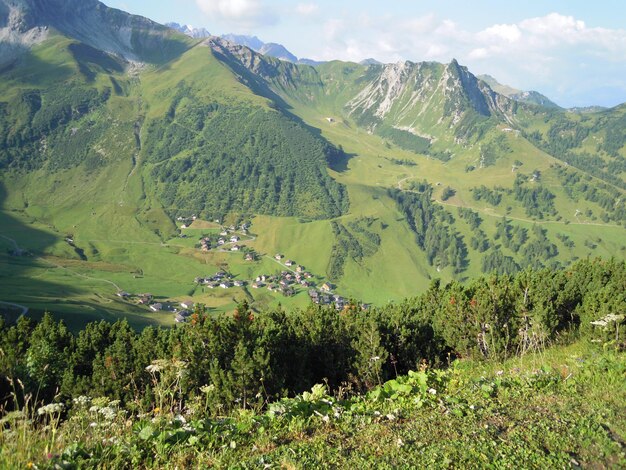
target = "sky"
x: 573, y: 51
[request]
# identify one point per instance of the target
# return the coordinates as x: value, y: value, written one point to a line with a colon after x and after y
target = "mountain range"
x: 376, y: 177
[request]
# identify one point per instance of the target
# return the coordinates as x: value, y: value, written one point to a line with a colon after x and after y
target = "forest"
x: 243, y: 160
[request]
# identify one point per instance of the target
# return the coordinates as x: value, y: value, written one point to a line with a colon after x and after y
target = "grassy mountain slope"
x: 332, y: 160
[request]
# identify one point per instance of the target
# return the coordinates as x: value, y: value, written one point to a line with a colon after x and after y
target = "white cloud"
x: 505, y: 32
x: 241, y: 13
x: 543, y: 53
x: 307, y: 9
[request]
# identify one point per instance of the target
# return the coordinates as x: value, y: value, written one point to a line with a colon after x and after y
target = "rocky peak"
x: 113, y: 31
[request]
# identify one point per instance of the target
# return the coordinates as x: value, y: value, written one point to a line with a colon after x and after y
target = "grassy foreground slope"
x: 561, y: 408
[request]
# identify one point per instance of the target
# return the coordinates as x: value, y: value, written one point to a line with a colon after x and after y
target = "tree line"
x: 248, y: 358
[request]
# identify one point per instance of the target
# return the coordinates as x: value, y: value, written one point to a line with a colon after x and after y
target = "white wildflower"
x: 50, y: 409
x: 82, y: 400
x: 400, y: 442
x: 432, y: 391
x: 108, y: 413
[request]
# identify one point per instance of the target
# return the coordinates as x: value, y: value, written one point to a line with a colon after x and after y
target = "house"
x: 156, y: 307
x: 211, y: 285
x: 249, y: 257
x: 179, y: 318
x: 225, y: 285
x: 186, y: 304
x: 235, y: 248
x: 221, y: 241
x: 299, y: 268
x: 327, y: 287
x: 289, y: 262
x: 258, y: 285
x: 308, y: 275
x: 184, y: 226
x: 223, y: 233
x: 239, y: 283
x: 288, y: 292
x: 145, y: 298
x: 278, y: 256
x: 304, y: 283
x: 234, y: 239
x: 123, y: 294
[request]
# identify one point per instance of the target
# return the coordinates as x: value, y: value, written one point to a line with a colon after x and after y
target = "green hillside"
x: 375, y: 178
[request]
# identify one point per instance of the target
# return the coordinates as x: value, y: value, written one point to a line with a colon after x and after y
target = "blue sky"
x: 574, y: 51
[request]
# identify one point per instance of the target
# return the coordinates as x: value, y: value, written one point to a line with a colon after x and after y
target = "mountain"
x: 376, y: 177
x: 370, y: 62
x: 278, y: 51
x: 269, y: 49
x: 134, y: 38
x: 531, y: 97
x: 196, y: 33
x: 252, y: 42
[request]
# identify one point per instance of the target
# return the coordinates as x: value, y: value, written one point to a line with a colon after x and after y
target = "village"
x: 292, y: 278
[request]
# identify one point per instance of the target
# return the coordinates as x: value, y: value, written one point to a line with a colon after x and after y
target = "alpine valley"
x: 129, y: 149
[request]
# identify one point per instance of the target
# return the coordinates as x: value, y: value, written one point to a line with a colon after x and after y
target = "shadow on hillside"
x: 21, y: 245
x: 338, y: 160
x: 25, y: 68
x: 20, y: 283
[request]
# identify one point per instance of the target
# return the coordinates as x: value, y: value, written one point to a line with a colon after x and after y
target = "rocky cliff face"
x: 133, y: 38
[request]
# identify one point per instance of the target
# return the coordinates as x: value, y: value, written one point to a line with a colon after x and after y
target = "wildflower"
x: 30, y: 465
x: 156, y: 410
x: 94, y: 409
x: 50, y: 409
x: 93, y: 424
x: 108, y: 413
x: 400, y: 442
x: 153, y: 368
x: 206, y: 389
x: 82, y: 400
x: 391, y: 417
x: 499, y: 373
x: 432, y: 391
